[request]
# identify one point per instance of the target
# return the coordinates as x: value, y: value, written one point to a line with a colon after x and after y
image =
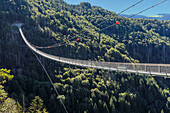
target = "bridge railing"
x: 137, y: 67
x: 129, y: 67
x: 156, y: 69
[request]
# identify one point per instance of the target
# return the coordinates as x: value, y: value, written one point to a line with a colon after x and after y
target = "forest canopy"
x: 84, y: 90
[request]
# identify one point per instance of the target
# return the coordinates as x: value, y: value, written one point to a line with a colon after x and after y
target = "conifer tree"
x: 37, y: 106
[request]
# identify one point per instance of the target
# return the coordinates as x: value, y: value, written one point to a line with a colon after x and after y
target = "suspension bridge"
x: 162, y: 70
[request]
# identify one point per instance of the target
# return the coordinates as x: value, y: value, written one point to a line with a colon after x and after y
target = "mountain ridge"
x: 162, y: 16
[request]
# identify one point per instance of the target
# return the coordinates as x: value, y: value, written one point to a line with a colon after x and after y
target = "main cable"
x: 50, y: 80
x: 52, y: 46
x: 137, y: 13
x: 130, y: 7
x: 123, y: 10
x: 148, y: 8
x: 55, y: 45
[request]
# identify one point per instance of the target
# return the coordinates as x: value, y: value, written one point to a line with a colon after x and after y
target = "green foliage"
x: 47, y: 22
x: 36, y: 106
x: 19, y: 108
x: 9, y: 106
x: 5, y: 75
x: 3, y: 94
x: 15, y: 28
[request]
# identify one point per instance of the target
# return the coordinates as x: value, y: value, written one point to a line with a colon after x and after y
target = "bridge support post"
x: 109, y: 65
x: 81, y: 62
x: 159, y: 69
x: 133, y: 67
x: 117, y: 66
x: 150, y: 70
x: 145, y: 68
x: 166, y: 71
x: 96, y: 64
x: 136, y: 69
x: 125, y: 67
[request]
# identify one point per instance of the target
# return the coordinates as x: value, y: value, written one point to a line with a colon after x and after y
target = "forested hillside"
x: 83, y: 90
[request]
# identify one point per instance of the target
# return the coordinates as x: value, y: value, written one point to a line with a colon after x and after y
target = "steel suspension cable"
x: 148, y: 8
x: 124, y: 10
x: 137, y: 13
x: 62, y: 43
x: 130, y: 7
x: 55, y: 45
x: 49, y: 79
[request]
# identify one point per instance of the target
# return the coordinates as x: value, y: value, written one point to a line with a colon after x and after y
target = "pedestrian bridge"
x: 162, y: 70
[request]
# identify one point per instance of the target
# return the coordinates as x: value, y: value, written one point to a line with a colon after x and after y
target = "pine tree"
x: 3, y: 94
x: 95, y: 108
x: 9, y: 106
x: 111, y: 103
x: 162, y: 111
x: 4, y: 75
x: 37, y: 105
x: 19, y: 108
x: 105, y: 108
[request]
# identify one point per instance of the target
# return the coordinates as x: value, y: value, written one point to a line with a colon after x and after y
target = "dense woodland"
x: 83, y: 90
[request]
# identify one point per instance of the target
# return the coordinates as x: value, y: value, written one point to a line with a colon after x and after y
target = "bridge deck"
x: 141, y: 68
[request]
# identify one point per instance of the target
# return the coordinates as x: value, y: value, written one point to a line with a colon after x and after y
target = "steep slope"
x: 47, y: 22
